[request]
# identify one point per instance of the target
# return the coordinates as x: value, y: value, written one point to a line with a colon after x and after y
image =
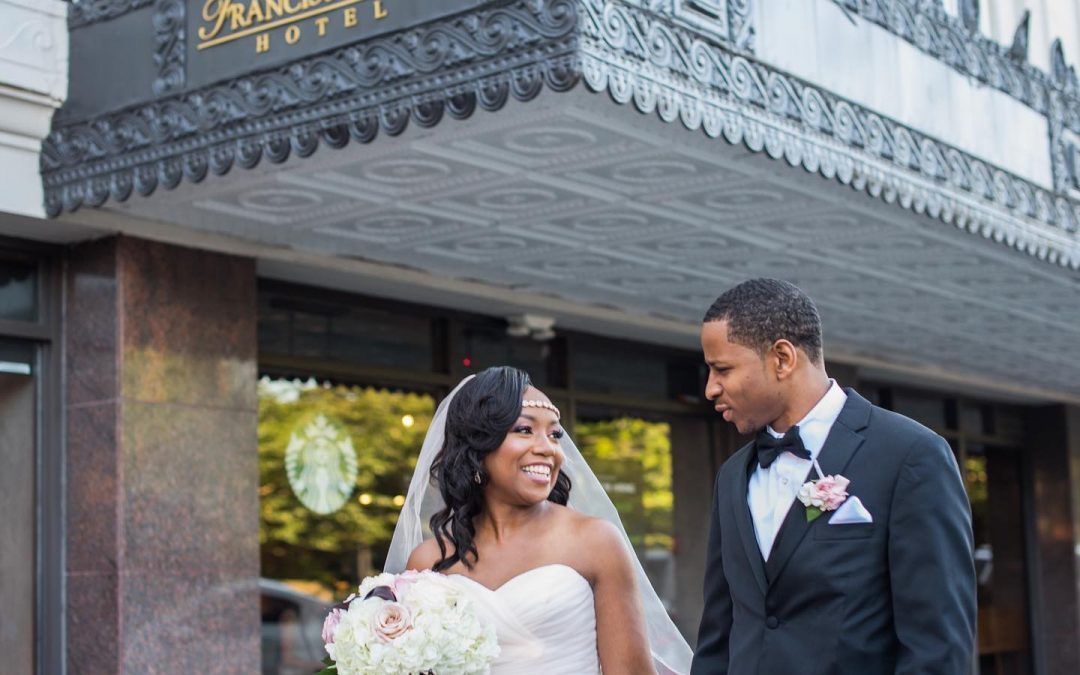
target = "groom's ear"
x: 784, y: 358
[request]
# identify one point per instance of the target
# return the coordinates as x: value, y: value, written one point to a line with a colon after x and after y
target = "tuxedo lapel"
x: 840, y: 446
x: 745, y: 523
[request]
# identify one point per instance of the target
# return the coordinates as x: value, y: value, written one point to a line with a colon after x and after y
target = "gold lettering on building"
x: 238, y: 19
x: 224, y: 21
x: 254, y: 14
x: 214, y: 12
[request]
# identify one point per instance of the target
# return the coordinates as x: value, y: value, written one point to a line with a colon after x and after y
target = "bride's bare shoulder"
x: 596, y: 545
x: 424, y: 556
x: 587, y: 529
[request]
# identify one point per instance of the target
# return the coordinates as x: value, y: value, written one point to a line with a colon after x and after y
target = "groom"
x: 876, y: 575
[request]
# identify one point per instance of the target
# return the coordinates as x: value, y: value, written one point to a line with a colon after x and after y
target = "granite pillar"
x: 162, y: 487
x: 1055, y: 603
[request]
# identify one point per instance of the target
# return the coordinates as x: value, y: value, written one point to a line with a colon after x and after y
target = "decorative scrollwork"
x: 169, y: 47
x: 91, y: 11
x: 633, y: 51
x: 729, y: 95
x: 951, y: 39
x: 510, y: 50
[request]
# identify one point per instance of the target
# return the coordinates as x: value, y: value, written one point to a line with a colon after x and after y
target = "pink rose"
x: 391, y: 621
x: 831, y: 491
x: 403, y: 581
x: 330, y: 625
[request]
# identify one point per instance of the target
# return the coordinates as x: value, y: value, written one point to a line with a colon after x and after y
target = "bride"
x: 503, y: 504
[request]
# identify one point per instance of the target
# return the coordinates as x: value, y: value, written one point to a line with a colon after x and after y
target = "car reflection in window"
x: 291, y: 630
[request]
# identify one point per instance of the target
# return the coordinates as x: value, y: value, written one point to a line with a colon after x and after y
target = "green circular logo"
x: 321, y: 465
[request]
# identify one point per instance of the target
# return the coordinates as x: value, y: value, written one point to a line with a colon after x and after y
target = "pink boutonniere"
x: 826, y: 493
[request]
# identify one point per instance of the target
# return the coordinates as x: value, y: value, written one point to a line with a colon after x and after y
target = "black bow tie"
x: 769, y: 447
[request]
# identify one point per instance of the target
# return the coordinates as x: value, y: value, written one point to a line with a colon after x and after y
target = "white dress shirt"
x: 772, y: 491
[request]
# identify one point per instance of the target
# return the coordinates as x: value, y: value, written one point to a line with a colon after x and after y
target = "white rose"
x: 806, y: 494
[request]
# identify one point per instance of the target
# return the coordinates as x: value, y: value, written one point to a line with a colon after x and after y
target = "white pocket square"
x: 851, y: 511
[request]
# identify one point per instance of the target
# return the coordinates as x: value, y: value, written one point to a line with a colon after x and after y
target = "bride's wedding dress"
x: 545, y: 620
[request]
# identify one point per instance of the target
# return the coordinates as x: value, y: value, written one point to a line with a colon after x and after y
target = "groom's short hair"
x: 759, y: 312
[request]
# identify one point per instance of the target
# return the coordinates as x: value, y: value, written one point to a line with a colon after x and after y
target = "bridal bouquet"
x: 413, y: 622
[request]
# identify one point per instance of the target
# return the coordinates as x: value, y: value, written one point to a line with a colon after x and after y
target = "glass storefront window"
x: 927, y: 409
x: 478, y: 348
x: 620, y: 369
x: 334, y: 465
x: 18, y: 457
x: 16, y: 357
x: 993, y: 476
x: 18, y: 291
x: 345, y: 333
x: 1009, y: 423
x: 632, y: 459
x: 383, y: 339
x: 975, y: 418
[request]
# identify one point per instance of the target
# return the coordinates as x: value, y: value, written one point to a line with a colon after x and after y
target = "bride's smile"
x: 540, y: 473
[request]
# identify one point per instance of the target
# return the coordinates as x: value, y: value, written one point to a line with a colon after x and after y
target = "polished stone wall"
x: 162, y: 494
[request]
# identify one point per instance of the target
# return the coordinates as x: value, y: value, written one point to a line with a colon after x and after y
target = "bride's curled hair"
x: 481, y: 414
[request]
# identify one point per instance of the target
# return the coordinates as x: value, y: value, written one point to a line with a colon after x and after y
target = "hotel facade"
x: 246, y: 246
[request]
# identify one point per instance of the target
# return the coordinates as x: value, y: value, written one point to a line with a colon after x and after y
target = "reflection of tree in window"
x: 975, y: 480
x: 332, y: 552
x: 632, y: 459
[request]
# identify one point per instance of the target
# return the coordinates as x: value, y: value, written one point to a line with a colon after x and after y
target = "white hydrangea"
x: 370, y: 583
x: 435, y: 627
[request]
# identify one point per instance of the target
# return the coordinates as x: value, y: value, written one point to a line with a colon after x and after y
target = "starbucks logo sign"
x: 321, y: 465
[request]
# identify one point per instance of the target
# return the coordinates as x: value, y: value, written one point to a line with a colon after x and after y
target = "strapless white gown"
x: 545, y: 620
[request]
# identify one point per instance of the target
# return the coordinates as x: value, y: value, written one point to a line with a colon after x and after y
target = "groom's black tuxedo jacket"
x: 893, y: 596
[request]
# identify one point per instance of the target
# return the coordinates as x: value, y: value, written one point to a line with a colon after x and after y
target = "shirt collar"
x: 814, y: 427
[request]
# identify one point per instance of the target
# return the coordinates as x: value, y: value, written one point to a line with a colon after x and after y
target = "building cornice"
x: 650, y: 59
x: 33, y: 84
x: 350, y: 94
x: 926, y: 25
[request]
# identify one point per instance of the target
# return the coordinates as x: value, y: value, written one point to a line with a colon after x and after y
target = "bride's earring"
x: 476, y: 477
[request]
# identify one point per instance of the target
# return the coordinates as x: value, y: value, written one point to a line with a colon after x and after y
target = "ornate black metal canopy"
x: 165, y: 91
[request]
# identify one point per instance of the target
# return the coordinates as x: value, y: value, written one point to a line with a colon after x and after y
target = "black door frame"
x: 45, y: 334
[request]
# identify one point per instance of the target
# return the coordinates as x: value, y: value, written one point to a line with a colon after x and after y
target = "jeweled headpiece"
x: 536, y: 403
